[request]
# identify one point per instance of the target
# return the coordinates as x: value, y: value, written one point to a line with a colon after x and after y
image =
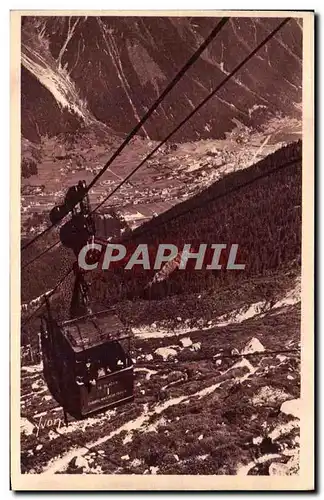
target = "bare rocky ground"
x: 217, y: 378
x: 218, y: 397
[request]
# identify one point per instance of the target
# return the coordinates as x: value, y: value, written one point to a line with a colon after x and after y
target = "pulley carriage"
x: 87, y: 365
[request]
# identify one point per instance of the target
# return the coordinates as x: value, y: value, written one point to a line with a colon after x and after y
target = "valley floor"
x: 169, y: 177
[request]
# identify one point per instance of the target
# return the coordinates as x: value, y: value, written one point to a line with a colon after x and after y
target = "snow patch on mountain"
x: 57, y: 80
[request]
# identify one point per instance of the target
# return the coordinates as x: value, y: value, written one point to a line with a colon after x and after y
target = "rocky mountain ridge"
x: 77, y: 71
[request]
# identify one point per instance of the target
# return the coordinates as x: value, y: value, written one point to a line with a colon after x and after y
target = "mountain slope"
x: 263, y: 217
x: 226, y: 348
x: 246, y: 375
x: 111, y: 69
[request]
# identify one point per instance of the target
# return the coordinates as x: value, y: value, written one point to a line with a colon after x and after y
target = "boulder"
x: 26, y: 426
x: 81, y: 462
x: 291, y: 407
x: 269, y: 395
x: 254, y: 345
x: 186, y: 342
x: 278, y: 469
x: 166, y: 352
x: 257, y: 440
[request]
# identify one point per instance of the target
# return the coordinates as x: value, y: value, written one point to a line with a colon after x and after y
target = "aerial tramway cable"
x: 219, y: 86
x: 230, y: 75
x: 194, y: 111
x: 38, y: 256
x: 176, y: 216
x: 47, y: 295
x: 140, y: 231
x: 150, y: 111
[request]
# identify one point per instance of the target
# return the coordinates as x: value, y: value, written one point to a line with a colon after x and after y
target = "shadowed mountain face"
x: 77, y: 71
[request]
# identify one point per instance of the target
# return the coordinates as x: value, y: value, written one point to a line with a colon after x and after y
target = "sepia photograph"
x: 162, y: 250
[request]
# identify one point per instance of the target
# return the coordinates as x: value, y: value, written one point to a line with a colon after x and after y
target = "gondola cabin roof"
x: 93, y: 330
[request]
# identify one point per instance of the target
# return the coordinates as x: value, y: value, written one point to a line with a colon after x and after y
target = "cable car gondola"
x: 86, y: 362
x: 86, y: 359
